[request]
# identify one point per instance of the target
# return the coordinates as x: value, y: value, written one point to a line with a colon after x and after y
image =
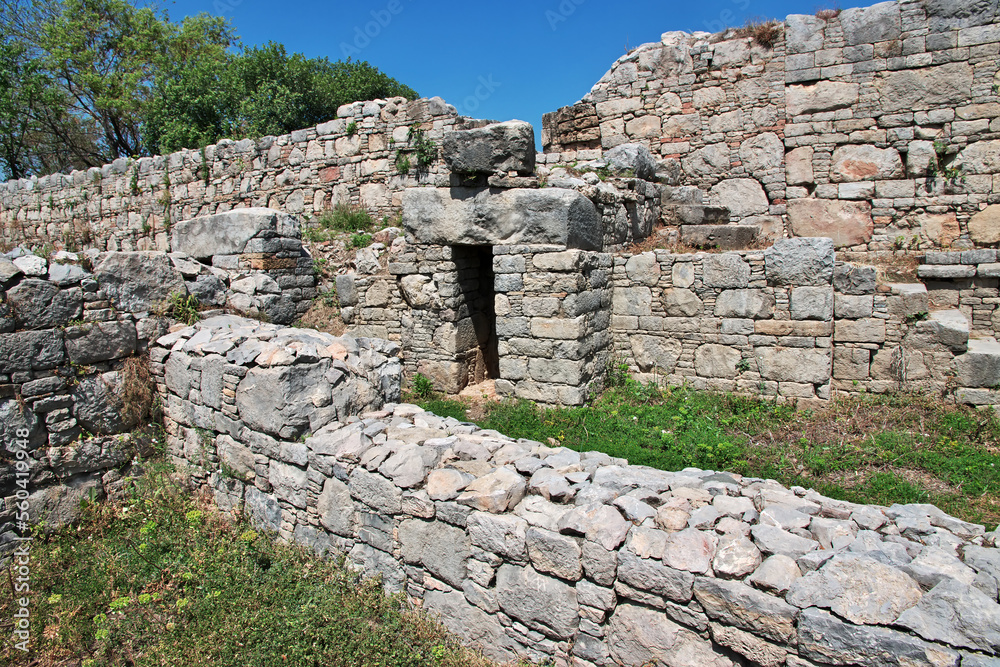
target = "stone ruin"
x: 524, y: 281
x: 797, y: 166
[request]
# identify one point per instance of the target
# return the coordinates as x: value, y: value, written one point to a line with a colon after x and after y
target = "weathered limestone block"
x: 710, y: 160
x: 467, y: 216
x: 276, y: 400
x: 481, y: 630
x: 28, y: 350
x: 924, y: 88
x: 856, y: 588
x: 655, y: 353
x: 632, y: 301
x: 822, y: 96
x: 542, y: 603
x: 868, y: 25
x: 138, y: 281
x: 851, y: 363
x: 799, y: 166
x: 631, y: 157
x: 100, y: 341
x: 984, y: 226
x: 643, y: 268
x: 871, y: 330
x: 811, y: 303
x: 848, y: 223
x: 827, y: 640
x: 956, y: 614
x: 638, y: 635
x: 679, y: 302
x: 736, y: 604
x: 853, y: 163
x: 980, y: 366
x: 440, y: 548
x: 228, y: 233
x: 742, y: 196
x: 727, y: 270
x: 789, y: 364
x: 762, y: 153
x: 980, y: 157
x: 800, y: 261
x: 745, y: 303
x: 98, y: 404
x: 39, y: 304
x: 499, y: 147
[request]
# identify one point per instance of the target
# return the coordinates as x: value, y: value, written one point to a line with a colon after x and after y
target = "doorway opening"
x: 476, y: 282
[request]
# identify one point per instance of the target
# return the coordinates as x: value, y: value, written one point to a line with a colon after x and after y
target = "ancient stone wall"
x: 876, y: 126
x: 791, y: 321
x: 68, y: 325
x: 131, y: 205
x: 526, y: 550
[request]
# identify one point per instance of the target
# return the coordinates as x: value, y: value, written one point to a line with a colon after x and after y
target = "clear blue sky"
x: 497, y: 60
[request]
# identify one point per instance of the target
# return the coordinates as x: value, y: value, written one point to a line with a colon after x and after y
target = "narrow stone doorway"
x: 476, y: 281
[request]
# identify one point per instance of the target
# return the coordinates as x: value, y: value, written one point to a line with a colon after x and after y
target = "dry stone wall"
x: 69, y: 323
x: 792, y: 321
x: 874, y: 126
x: 131, y: 205
x: 551, y: 554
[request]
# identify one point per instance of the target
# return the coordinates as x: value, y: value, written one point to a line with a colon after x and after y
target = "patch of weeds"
x: 764, y: 32
x: 361, y: 240
x: 341, y: 218
x: 181, y: 308
x: 352, y: 128
x: 156, y: 576
x: 828, y: 13
x: 420, y: 147
x: 137, y: 389
x: 203, y: 169
x: 403, y: 163
x: 918, y: 317
x: 421, y: 387
x: 944, y: 153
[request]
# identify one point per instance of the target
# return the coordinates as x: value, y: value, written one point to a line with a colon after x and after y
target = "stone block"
x: 800, y: 261
x: 846, y: 223
x: 499, y: 147
x: 228, y: 233
x: 811, y: 303
x: 851, y: 363
x: 859, y: 331
x: 728, y: 270
x: 470, y: 216
x: 717, y: 361
x: 785, y: 364
x: 744, y: 303
x: 851, y: 307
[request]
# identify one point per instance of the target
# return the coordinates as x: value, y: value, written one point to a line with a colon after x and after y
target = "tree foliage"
x: 83, y: 82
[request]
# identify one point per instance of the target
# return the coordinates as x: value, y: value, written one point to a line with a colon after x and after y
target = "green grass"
x: 341, y: 219
x: 880, y: 449
x: 160, y: 578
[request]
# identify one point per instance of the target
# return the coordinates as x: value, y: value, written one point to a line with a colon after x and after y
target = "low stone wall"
x: 132, y: 205
x: 792, y: 321
x: 525, y: 550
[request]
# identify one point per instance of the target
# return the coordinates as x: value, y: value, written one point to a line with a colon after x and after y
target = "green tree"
x: 84, y: 82
x: 260, y: 91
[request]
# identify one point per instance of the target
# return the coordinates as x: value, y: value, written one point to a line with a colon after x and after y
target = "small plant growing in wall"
x: 134, y: 184
x: 352, y: 128
x: 420, y: 147
x: 181, y: 308
x: 940, y: 166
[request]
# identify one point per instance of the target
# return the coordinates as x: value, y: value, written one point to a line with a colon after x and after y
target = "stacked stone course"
x: 131, y: 205
x: 530, y: 551
x: 874, y: 127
